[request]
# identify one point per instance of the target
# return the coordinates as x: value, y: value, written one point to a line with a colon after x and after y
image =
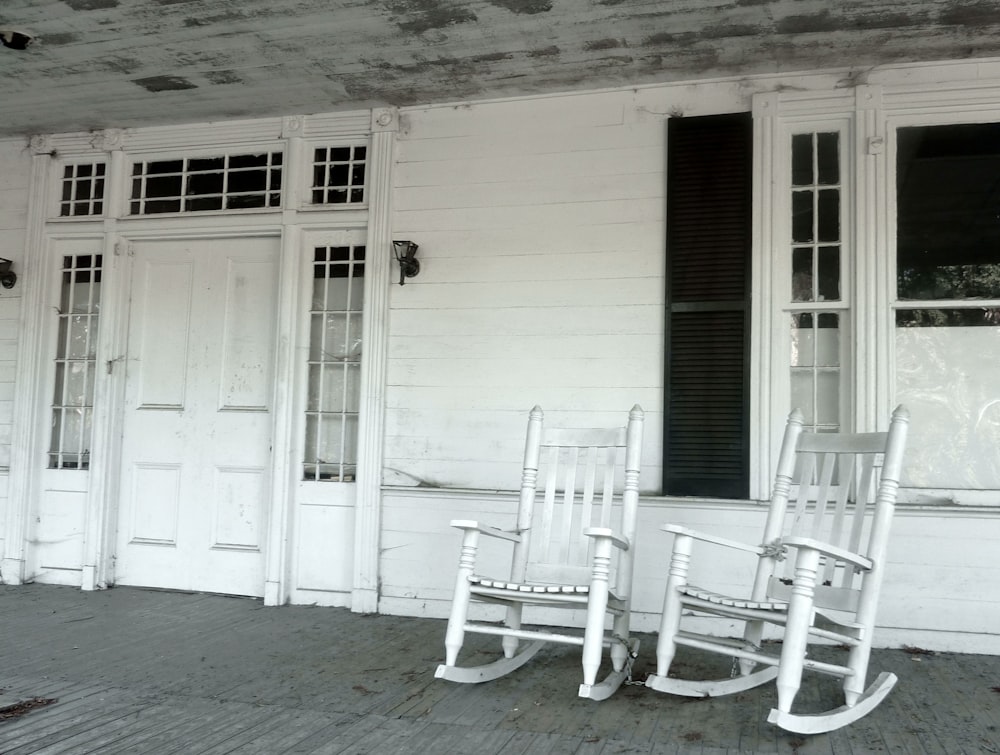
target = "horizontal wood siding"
x: 15, y: 167
x: 540, y: 226
x: 937, y: 593
x: 15, y: 172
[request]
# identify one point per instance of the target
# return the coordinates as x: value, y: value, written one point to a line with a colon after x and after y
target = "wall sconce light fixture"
x: 406, y: 256
x: 7, y: 276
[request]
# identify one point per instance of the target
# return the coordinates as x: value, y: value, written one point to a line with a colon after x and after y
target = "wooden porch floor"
x: 141, y: 671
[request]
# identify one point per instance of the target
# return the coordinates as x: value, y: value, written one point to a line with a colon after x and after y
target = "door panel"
x: 197, y: 420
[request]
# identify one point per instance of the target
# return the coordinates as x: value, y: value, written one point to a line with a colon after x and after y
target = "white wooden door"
x: 197, y: 415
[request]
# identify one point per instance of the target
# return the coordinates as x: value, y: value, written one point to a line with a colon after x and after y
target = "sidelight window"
x: 817, y: 307
x: 75, y: 363
x: 334, y: 391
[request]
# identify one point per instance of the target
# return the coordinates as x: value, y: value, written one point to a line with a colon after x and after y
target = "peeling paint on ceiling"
x: 121, y: 63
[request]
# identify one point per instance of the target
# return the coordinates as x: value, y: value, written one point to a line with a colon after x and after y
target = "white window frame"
x: 868, y: 117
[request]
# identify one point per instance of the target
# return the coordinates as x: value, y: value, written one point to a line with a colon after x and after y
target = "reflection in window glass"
x: 948, y: 226
x: 75, y: 363
x: 815, y: 366
x: 230, y: 182
x: 334, y: 391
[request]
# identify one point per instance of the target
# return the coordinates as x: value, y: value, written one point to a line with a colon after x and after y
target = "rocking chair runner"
x: 829, y: 531
x: 573, y: 548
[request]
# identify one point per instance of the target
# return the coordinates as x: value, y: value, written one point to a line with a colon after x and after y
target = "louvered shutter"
x: 709, y: 163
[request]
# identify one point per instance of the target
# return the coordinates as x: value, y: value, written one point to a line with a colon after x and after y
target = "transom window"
x: 339, y: 175
x: 331, y: 443
x: 75, y: 363
x: 82, y: 190
x: 198, y: 184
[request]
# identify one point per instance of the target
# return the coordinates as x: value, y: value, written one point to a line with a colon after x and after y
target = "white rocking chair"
x: 573, y: 548
x: 828, y: 523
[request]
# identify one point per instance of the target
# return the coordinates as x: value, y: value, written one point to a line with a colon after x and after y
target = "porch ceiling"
x: 121, y: 63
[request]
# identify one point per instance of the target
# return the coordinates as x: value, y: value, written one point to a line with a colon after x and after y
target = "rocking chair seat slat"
x: 727, y: 600
x: 527, y: 587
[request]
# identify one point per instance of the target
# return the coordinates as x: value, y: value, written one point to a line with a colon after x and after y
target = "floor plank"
x: 161, y: 673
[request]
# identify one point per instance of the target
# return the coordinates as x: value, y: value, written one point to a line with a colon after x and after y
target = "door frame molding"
x: 31, y: 412
x: 105, y: 490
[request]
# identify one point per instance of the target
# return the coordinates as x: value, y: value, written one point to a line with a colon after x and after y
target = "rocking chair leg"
x: 793, y: 651
x: 593, y: 637
x: 513, y: 621
x: 752, y: 637
x: 619, y: 646
x: 670, y: 622
x: 854, y: 685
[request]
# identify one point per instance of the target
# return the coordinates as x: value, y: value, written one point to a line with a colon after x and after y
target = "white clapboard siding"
x: 553, y: 293
x: 434, y: 398
x: 598, y: 164
x: 528, y: 320
x: 573, y: 216
x: 15, y: 165
x: 490, y: 243
x: 544, y: 265
x: 541, y: 282
x: 525, y: 191
x: 522, y: 346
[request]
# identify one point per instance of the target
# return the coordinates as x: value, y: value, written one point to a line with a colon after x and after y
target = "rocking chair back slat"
x: 583, y: 470
x: 572, y: 549
x: 832, y: 500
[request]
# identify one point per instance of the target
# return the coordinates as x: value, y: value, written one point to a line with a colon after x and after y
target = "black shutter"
x: 706, y: 434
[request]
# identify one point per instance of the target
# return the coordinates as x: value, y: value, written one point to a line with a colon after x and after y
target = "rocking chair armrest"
x: 841, y: 554
x: 469, y: 524
x: 616, y: 540
x: 724, y: 541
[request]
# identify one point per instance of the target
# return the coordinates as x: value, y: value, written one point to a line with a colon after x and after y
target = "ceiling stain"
x: 523, y: 6
x: 971, y: 14
x: 164, y: 83
x: 272, y: 57
x: 91, y: 4
x: 223, y: 77
x: 422, y: 16
x: 604, y: 44
x: 725, y: 31
x: 809, y: 24
x: 64, y: 38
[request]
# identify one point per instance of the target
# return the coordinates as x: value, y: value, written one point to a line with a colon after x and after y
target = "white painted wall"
x: 541, y: 232
x: 541, y: 228
x: 15, y: 166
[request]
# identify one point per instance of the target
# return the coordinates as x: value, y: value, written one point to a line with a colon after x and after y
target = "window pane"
x: 815, y: 368
x: 828, y: 211
x: 802, y: 275
x: 828, y: 158
x: 802, y: 160
x: 802, y: 216
x: 948, y: 227
x: 334, y: 369
x: 947, y: 377
x: 829, y: 273
x: 75, y: 362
